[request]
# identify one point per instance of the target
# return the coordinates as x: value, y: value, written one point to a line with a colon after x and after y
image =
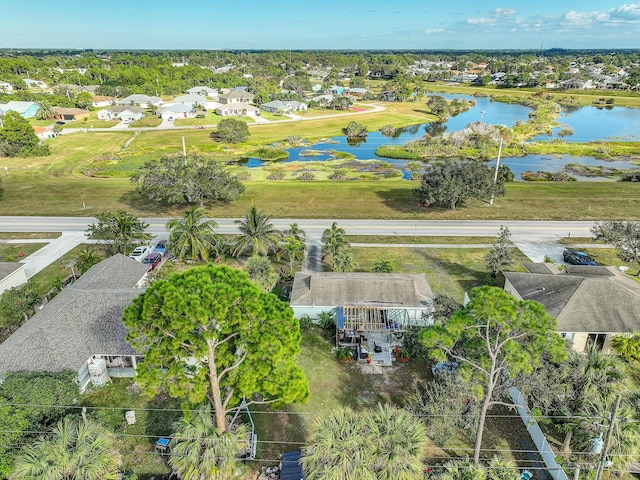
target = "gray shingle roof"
x: 374, y: 289
x: 83, y: 320
x: 584, y: 299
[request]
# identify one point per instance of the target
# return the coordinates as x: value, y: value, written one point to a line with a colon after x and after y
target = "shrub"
x: 276, y: 175
x: 340, y: 174
x: 243, y: 176
x: 306, y: 176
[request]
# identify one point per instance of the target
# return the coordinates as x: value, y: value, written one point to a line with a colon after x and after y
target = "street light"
x: 481, y: 115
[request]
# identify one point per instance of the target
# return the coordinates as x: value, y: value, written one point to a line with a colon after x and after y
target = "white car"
x: 140, y: 252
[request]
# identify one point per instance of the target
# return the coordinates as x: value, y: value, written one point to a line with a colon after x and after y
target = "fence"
x: 547, y: 454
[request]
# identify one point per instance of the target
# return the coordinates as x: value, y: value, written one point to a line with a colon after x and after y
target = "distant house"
x: 336, y: 90
x: 238, y: 110
x: 387, y: 96
x: 102, y: 101
x: 322, y: 100
x: 316, y: 87
x: 121, y: 112
x: 69, y: 114
x: 139, y: 100
x: 592, y: 304
x: 191, y: 100
x: 357, y: 92
x: 25, y: 109
x: 6, y: 87
x: 81, y: 325
x: 43, y: 133
x: 34, y: 83
x: 204, y: 91
x: 12, y: 275
x: 286, y: 106
x: 236, y: 96
x: 176, y: 111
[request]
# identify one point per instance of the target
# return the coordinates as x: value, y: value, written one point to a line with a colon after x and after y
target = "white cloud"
x: 628, y: 12
x: 495, y: 15
x: 503, y: 12
x: 481, y: 21
x: 432, y: 31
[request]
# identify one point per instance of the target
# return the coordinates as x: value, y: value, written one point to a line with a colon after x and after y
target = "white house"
x: 238, y: 110
x: 284, y: 106
x: 144, y: 101
x: 34, y: 83
x: 236, y: 96
x: 12, y: 275
x: 6, y: 87
x: 176, y: 111
x: 102, y: 101
x: 191, y: 100
x: 121, y: 112
x: 204, y: 91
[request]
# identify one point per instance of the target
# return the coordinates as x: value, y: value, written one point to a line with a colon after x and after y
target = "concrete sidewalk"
x: 55, y: 249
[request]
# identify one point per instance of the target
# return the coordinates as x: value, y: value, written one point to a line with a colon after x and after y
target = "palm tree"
x: 44, y: 112
x: 76, y: 451
x: 384, y: 444
x: 333, y: 241
x: 193, y: 237
x: 87, y: 258
x: 294, y: 249
x: 200, y: 451
x: 343, y: 262
x: 296, y: 232
x: 257, y: 234
x: 261, y: 272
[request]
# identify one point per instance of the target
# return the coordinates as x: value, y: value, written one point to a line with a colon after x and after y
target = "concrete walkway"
x: 54, y: 249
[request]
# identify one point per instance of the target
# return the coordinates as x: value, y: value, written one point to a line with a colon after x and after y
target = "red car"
x: 153, y: 259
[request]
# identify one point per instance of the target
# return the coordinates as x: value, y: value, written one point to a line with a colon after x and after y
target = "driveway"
x: 166, y: 124
x: 120, y: 126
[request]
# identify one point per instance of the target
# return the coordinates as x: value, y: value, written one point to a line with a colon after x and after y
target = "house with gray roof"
x: 121, y: 112
x: 592, y: 304
x: 177, y: 110
x: 283, y: 106
x: 204, y: 91
x: 371, y: 310
x: 144, y: 101
x: 237, y: 110
x: 236, y: 96
x: 12, y: 275
x: 81, y: 324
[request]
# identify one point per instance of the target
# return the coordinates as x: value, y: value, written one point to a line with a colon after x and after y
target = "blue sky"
x: 320, y: 24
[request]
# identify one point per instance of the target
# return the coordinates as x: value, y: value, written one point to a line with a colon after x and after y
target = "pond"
x: 588, y: 123
x: 591, y: 123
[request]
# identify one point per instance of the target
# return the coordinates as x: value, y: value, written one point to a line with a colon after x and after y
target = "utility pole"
x: 495, y: 175
x: 607, y: 442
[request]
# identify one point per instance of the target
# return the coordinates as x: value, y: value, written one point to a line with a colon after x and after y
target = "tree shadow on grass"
x: 466, y: 276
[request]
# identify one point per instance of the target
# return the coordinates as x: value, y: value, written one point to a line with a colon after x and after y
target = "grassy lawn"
x: 390, y: 239
x: 451, y: 271
x: 384, y: 199
x: 11, y: 252
x: 147, y: 121
x: 21, y: 235
x: 208, y: 119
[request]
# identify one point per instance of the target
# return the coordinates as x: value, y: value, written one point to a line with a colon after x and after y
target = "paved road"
x: 521, y: 230
x: 536, y: 239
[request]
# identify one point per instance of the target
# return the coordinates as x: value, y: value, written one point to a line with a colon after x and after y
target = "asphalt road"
x: 520, y: 230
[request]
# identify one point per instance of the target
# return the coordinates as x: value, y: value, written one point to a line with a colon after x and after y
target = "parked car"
x: 140, y: 252
x: 161, y: 247
x: 152, y: 259
x: 60, y: 122
x: 577, y: 258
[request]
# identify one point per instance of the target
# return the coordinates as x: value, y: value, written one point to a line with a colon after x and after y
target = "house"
x: 592, y: 304
x: 322, y: 100
x: 121, y: 112
x: 25, y: 109
x: 69, y: 114
x: 336, y: 90
x: 139, y: 100
x: 12, y: 275
x: 177, y: 110
x: 204, y: 91
x: 6, y: 87
x: 286, y: 106
x: 34, y: 83
x: 387, y: 96
x: 371, y: 310
x: 316, y: 87
x: 238, y: 110
x: 236, y: 96
x: 357, y: 92
x: 102, y: 101
x: 81, y: 325
x: 43, y: 133
x: 191, y: 100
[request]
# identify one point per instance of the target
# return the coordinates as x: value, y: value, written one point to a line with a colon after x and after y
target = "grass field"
x: 15, y: 252
x: 388, y: 199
